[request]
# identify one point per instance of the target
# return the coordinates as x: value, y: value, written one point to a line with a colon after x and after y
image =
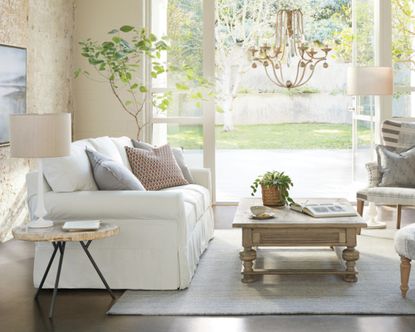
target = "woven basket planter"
x: 271, y: 196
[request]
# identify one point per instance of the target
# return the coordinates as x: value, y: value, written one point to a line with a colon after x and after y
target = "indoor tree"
x: 118, y: 61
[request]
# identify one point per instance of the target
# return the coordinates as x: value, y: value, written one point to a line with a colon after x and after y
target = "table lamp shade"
x: 40, y: 135
x: 369, y: 81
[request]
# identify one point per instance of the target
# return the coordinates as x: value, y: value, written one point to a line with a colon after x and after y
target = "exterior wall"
x: 278, y: 108
x: 45, y: 28
x: 96, y: 111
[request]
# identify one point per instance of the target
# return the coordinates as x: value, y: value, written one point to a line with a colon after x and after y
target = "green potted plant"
x: 275, y: 188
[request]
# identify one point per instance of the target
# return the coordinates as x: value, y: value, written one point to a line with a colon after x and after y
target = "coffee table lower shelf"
x: 258, y: 272
x: 347, y: 258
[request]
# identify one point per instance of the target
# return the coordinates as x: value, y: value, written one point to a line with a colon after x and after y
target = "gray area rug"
x: 216, y: 288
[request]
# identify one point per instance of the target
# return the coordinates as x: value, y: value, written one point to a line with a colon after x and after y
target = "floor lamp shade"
x: 40, y: 135
x: 369, y: 81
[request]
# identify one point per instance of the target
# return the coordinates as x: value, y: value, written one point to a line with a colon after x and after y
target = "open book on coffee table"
x: 324, y: 210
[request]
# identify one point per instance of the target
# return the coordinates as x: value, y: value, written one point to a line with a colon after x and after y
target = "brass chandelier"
x: 290, y: 46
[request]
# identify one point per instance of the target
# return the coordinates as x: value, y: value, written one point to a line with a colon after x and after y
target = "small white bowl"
x: 258, y: 210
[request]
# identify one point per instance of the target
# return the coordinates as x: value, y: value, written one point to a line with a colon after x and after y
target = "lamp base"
x: 40, y: 223
x: 375, y: 225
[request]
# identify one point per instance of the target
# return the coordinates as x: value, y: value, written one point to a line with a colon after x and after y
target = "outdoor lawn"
x: 274, y: 136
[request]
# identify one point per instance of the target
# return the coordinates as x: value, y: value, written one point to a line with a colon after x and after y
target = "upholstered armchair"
x: 397, y: 134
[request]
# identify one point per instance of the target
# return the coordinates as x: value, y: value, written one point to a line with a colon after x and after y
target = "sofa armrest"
x: 126, y: 204
x: 202, y: 176
x: 374, y: 174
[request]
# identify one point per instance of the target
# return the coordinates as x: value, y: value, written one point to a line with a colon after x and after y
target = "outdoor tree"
x: 403, y: 20
x: 241, y: 24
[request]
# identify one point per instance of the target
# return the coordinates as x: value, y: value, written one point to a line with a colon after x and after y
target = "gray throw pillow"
x: 177, y: 153
x: 110, y: 174
x: 397, y: 169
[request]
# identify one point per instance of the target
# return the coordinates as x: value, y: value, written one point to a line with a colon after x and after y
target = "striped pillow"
x: 398, y: 134
x: 156, y: 169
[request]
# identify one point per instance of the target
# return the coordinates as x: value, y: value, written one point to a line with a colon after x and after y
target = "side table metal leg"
x: 55, y: 246
x: 85, y: 247
x: 61, y: 246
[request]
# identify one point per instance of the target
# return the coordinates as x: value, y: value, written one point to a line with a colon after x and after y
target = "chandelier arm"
x: 281, y: 73
x: 311, y: 74
x: 276, y: 81
x: 298, y: 71
x: 321, y: 58
x: 304, y: 69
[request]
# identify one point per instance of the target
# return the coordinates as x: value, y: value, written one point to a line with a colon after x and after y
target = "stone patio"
x: 315, y: 173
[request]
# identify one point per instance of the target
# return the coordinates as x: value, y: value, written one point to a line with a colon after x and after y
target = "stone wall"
x: 45, y: 28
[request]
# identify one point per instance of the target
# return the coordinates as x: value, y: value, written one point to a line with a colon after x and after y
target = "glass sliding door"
x: 305, y: 132
x: 363, y: 108
x: 403, y: 45
x: 317, y: 134
x: 181, y: 123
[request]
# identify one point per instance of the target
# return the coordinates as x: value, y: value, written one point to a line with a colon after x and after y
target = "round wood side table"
x: 58, y: 238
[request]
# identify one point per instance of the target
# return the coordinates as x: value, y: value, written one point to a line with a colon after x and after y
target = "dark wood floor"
x: 85, y: 310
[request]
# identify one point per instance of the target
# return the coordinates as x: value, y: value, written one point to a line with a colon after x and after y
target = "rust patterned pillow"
x: 156, y: 169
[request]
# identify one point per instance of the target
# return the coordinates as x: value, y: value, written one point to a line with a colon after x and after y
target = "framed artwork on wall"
x: 13, y: 75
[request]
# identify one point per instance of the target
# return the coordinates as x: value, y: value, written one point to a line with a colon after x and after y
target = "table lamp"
x: 40, y: 136
x: 370, y: 81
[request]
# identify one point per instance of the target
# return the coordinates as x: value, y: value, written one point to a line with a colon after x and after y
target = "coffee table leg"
x: 247, y: 256
x: 350, y: 255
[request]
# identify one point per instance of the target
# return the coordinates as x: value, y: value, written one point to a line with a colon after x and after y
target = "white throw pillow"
x: 72, y: 173
x: 121, y: 143
x: 107, y: 147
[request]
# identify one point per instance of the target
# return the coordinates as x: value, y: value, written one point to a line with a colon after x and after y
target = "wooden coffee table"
x: 293, y: 229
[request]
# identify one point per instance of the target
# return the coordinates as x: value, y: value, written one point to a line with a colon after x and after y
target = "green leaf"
x: 181, y: 86
x: 107, y: 44
x: 126, y: 28
x: 134, y: 86
x: 143, y: 89
x: 77, y: 72
x: 116, y: 39
x: 113, y: 31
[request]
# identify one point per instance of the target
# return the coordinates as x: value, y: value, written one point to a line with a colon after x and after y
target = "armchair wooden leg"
x: 360, y: 206
x: 405, y: 271
x: 398, y: 216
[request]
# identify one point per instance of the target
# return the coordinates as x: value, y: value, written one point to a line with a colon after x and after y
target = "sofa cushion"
x: 196, y: 196
x: 178, y: 155
x: 121, y: 143
x: 111, y: 175
x: 156, y: 169
x: 71, y: 173
x: 398, y: 169
x: 107, y: 147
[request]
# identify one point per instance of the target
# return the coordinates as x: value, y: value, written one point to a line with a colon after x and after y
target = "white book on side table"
x: 324, y: 210
x: 81, y: 225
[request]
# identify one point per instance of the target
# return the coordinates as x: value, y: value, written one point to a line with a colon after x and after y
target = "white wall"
x: 97, y: 113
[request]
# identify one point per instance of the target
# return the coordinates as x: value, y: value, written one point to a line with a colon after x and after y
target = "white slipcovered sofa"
x: 162, y: 233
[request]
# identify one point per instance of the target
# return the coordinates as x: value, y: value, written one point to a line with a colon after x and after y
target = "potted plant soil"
x: 275, y: 188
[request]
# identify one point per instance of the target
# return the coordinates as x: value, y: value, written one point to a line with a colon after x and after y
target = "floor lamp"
x: 40, y: 136
x: 370, y: 81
